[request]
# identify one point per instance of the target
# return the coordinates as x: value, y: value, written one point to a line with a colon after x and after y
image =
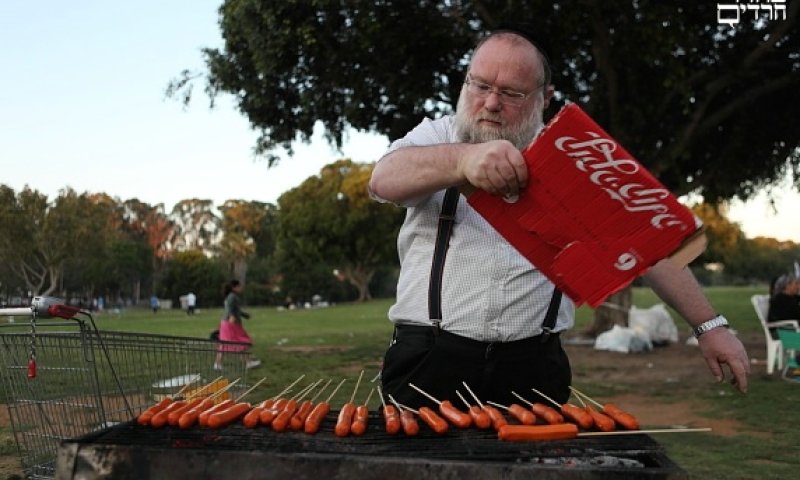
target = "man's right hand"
x: 496, y: 166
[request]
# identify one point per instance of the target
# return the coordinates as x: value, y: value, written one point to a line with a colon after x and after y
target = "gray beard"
x: 469, y: 131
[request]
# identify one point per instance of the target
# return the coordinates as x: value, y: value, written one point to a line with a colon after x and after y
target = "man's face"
x: 504, y: 65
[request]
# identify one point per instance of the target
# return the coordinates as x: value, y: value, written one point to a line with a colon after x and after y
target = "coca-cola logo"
x: 617, y: 177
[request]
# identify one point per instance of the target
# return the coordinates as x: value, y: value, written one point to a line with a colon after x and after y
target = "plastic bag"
x: 656, y: 321
x: 623, y: 340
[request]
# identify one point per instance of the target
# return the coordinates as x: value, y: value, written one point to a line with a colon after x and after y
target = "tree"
x: 329, y: 223
x: 247, y: 230
x: 707, y: 108
x: 39, y: 237
x: 196, y: 226
x: 151, y: 224
x: 192, y: 271
x: 723, y: 235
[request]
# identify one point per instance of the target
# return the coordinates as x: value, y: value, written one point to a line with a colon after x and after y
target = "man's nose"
x: 492, y: 102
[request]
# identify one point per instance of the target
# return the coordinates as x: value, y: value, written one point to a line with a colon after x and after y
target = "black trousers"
x: 438, y: 362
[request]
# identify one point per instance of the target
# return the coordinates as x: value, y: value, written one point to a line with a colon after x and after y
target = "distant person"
x: 784, y: 304
x: 231, y: 328
x: 191, y: 301
x: 154, y: 304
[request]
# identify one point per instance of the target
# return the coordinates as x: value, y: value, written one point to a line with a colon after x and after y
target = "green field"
x: 338, y: 342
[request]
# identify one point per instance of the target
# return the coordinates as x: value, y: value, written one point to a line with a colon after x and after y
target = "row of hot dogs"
x: 536, y: 422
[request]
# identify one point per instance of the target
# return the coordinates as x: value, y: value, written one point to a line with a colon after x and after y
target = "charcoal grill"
x: 130, y: 451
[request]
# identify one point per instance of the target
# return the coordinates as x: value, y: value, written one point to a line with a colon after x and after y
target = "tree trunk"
x: 613, y: 312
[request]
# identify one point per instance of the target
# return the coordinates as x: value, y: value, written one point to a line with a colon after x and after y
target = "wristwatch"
x: 716, y: 322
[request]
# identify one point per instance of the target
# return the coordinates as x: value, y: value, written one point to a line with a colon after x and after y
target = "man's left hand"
x: 720, y: 346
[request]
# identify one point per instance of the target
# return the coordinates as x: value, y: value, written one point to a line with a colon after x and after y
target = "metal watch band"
x: 716, y: 322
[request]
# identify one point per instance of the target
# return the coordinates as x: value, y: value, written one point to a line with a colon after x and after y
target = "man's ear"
x: 548, y: 94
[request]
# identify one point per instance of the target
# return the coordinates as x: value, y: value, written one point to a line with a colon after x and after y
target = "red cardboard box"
x: 592, y: 218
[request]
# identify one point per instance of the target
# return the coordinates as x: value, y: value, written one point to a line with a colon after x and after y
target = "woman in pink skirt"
x: 230, y: 327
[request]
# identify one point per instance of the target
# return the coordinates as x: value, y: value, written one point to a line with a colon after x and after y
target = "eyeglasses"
x: 507, y: 97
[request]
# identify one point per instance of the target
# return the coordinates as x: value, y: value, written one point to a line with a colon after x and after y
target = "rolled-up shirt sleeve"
x: 427, y: 132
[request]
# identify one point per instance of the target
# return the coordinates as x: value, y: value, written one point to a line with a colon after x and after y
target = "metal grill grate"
x: 457, y: 452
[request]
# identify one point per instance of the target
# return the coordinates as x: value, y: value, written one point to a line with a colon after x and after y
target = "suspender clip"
x: 546, y: 331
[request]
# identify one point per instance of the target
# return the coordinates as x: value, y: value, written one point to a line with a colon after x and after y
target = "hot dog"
x: 314, y: 419
x: 624, y: 419
x: 391, y: 419
x: 189, y: 418
x: 479, y: 417
x: 144, y: 417
x: 604, y: 423
x: 229, y: 415
x: 202, y: 419
x: 577, y: 415
x: 175, y: 415
x: 409, y: 423
x: 528, y: 433
x: 345, y: 419
x: 359, y: 425
x: 299, y: 417
x: 454, y: 415
x: 281, y: 421
x: 437, y: 423
x: 318, y: 413
x: 160, y: 419
x: 269, y: 414
x: 253, y: 417
x: 522, y: 414
x: 548, y: 414
x: 497, y: 418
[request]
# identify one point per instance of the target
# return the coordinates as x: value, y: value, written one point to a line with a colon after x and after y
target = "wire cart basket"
x: 64, y: 378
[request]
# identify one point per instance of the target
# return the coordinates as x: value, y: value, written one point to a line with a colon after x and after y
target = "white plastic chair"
x: 774, y: 345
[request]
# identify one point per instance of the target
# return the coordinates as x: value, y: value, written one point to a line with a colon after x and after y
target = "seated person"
x: 784, y: 304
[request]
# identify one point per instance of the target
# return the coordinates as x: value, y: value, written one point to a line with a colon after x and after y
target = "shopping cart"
x: 64, y: 378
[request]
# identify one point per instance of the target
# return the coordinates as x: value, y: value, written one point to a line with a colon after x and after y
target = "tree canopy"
x: 708, y: 108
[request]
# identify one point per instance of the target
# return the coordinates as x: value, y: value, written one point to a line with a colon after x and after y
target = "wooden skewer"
x: 497, y: 405
x: 558, y: 405
x: 324, y: 387
x: 473, y: 394
x: 380, y: 394
x: 580, y: 394
x: 399, y: 405
x: 366, y: 402
x: 335, y: 390
x: 288, y: 388
x: 438, y: 402
x: 466, y: 403
x: 406, y: 407
x: 353, y: 396
x: 250, y: 390
x: 225, y: 389
x: 655, y: 430
x: 527, y: 402
x: 191, y: 382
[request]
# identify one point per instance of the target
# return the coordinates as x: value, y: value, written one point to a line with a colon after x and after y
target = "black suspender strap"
x: 551, y: 315
x: 447, y: 219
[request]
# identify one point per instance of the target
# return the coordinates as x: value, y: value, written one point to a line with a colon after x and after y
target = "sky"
x: 82, y: 105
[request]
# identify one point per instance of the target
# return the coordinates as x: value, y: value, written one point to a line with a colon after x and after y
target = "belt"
x: 488, y: 349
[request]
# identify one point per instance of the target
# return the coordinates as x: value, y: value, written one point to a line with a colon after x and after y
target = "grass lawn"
x: 338, y: 342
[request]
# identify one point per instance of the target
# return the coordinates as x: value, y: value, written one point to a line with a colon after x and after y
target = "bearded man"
x: 471, y: 309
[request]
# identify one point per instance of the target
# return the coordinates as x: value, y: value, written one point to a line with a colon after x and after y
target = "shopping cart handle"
x: 44, y: 307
